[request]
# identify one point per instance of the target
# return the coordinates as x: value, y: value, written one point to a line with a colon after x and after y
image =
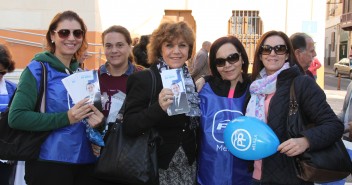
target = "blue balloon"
x: 250, y: 138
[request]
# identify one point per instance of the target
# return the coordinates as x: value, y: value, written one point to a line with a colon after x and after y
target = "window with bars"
x: 247, y: 26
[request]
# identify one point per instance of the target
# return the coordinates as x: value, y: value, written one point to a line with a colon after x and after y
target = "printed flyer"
x: 174, y: 80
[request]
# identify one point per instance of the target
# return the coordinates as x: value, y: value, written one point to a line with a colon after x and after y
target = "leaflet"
x: 174, y: 80
x: 83, y: 85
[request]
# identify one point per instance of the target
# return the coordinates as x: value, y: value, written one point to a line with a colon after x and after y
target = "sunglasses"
x: 231, y: 59
x: 3, y: 72
x: 65, y: 33
x: 278, y: 49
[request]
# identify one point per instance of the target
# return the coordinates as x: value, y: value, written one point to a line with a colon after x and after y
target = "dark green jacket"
x: 21, y: 115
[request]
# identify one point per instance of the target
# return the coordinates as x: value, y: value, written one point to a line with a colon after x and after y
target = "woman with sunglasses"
x: 66, y: 155
x: 274, y: 68
x: 223, y: 98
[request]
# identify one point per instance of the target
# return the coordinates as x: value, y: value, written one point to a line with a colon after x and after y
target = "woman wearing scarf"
x: 171, y: 45
x: 274, y: 68
x: 223, y: 98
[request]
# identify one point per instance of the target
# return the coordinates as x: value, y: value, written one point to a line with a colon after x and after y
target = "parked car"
x: 343, y: 67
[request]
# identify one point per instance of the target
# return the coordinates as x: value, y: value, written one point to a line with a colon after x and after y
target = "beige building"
x: 24, y: 22
x: 338, y: 35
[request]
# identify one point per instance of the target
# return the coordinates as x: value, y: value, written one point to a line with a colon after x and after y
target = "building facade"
x: 27, y: 21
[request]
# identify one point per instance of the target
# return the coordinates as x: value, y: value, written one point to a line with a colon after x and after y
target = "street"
x: 335, y: 97
x: 331, y: 82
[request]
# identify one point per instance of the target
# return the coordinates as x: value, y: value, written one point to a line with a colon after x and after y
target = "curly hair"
x: 6, y: 59
x: 167, y: 32
x: 66, y: 15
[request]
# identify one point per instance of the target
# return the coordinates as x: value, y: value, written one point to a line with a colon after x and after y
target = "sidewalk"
x: 329, y: 69
x: 335, y: 99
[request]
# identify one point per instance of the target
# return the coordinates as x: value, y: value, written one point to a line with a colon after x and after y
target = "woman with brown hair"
x: 66, y: 155
x: 274, y: 69
x: 118, y: 67
x: 170, y: 46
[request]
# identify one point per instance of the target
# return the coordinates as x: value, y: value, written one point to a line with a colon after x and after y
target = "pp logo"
x: 220, y: 121
x: 241, y: 139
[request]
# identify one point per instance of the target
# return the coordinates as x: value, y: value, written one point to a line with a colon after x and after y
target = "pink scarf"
x: 261, y: 87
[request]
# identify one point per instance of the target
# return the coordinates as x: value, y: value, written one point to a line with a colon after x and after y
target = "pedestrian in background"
x: 304, y: 50
x: 66, y: 155
x: 135, y: 41
x: 170, y: 46
x: 7, y: 89
x: 201, y: 62
x: 346, y: 113
x: 140, y: 52
x: 274, y: 69
x: 314, y: 66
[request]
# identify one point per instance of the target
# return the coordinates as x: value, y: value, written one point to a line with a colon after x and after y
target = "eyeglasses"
x: 3, y: 72
x: 65, y: 33
x: 278, y: 49
x: 231, y: 59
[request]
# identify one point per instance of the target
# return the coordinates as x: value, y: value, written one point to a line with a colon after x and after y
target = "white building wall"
x: 142, y: 16
x: 37, y: 14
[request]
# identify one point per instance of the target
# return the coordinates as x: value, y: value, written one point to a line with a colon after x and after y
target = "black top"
x: 222, y: 87
x: 138, y: 117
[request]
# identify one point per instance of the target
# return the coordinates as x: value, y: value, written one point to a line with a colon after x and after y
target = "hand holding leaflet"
x: 173, y: 79
x: 86, y: 85
x: 83, y: 85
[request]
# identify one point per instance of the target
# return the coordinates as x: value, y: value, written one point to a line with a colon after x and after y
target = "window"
x: 247, y: 27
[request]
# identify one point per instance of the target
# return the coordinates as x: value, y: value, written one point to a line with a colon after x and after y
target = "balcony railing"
x: 24, y: 42
x: 346, y: 21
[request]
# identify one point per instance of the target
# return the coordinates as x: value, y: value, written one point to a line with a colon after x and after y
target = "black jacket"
x: 179, y: 105
x: 278, y: 168
x: 138, y: 117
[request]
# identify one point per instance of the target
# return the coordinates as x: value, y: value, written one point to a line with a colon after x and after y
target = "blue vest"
x: 67, y: 144
x: 216, y: 165
x: 5, y: 98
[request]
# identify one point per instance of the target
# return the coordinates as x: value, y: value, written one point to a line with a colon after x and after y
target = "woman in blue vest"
x: 66, y: 156
x: 7, y: 89
x: 223, y: 98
